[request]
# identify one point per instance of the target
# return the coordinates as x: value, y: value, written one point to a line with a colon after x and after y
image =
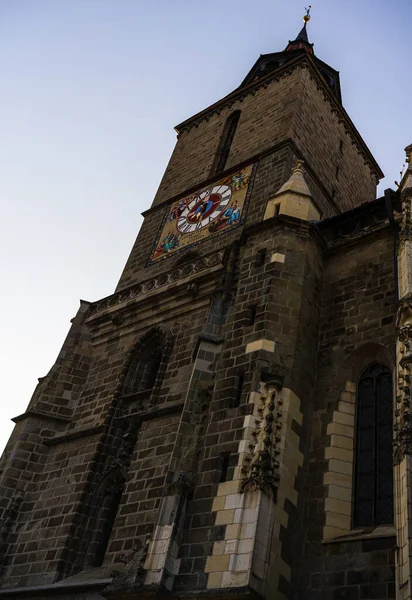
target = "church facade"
x: 234, y: 421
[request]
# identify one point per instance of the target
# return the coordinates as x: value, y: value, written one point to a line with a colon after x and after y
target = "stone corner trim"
x: 262, y: 344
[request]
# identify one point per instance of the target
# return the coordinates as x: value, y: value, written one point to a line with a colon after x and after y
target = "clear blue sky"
x: 91, y: 90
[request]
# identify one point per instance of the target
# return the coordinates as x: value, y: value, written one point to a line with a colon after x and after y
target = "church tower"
x: 221, y: 425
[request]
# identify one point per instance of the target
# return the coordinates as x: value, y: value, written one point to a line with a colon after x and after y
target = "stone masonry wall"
x: 291, y: 108
x: 334, y: 156
x: 357, y: 328
x: 265, y: 119
x: 54, y: 486
x: 273, y: 170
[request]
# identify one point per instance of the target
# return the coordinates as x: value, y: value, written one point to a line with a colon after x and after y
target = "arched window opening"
x: 144, y: 366
x: 373, y: 497
x: 105, y: 506
x: 147, y: 363
x: 225, y: 144
x: 143, y: 371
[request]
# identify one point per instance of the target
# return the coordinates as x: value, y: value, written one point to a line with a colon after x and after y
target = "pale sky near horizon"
x: 91, y: 91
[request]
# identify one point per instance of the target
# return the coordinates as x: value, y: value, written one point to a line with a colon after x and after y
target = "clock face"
x: 208, y: 212
x: 204, y: 208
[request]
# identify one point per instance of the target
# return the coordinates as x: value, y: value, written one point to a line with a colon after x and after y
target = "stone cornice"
x: 75, y: 434
x: 354, y: 239
x: 180, y: 275
x: 301, y: 227
x: 63, y: 587
x: 38, y: 414
x: 304, y: 61
x: 156, y: 412
x: 370, y: 219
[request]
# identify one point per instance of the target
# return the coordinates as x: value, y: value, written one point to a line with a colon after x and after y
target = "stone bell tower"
x: 179, y: 442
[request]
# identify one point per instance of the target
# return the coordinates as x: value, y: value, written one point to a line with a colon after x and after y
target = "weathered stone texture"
x: 287, y: 109
x: 357, y: 328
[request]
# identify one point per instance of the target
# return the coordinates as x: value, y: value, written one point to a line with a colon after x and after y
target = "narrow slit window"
x: 251, y: 314
x: 239, y: 389
x: 224, y: 459
x: 260, y: 257
x: 277, y: 209
x: 226, y: 142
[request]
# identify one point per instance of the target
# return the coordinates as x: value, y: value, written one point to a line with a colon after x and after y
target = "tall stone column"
x: 403, y: 414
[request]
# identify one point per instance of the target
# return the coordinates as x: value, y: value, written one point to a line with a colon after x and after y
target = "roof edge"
x: 304, y: 60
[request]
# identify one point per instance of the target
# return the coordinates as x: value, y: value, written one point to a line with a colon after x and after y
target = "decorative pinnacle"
x: 306, y: 18
x: 408, y: 151
x: 299, y: 167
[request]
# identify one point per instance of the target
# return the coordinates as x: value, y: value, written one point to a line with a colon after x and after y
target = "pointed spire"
x: 294, y: 198
x: 303, y: 35
x: 296, y: 182
x: 302, y: 40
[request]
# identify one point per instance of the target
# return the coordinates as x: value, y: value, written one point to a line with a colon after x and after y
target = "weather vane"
x: 306, y: 18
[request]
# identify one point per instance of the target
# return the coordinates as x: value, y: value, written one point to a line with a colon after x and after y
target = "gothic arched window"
x: 148, y: 362
x: 373, y: 498
x: 225, y: 142
x: 106, y: 500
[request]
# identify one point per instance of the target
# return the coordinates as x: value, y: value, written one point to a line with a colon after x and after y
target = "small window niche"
x: 260, y: 258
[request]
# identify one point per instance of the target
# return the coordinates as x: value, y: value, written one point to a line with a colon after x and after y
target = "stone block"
x: 249, y: 515
x: 338, y: 520
x: 340, y: 493
x: 340, y: 454
x: 219, y: 547
x: 230, y: 546
x: 231, y: 579
x: 214, y: 580
x: 224, y: 517
x: 238, y: 515
x: 340, y: 441
x: 247, y: 531
x: 252, y: 500
x: 234, y: 501
x: 332, y: 532
x: 343, y: 417
x: 262, y: 344
x: 228, y: 487
x: 232, y: 531
x: 218, y: 503
x: 340, y: 466
x: 340, y: 479
x: 337, y: 506
x: 338, y: 429
x: 277, y: 257
x: 217, y: 563
x: 347, y: 407
x: 245, y: 546
x: 242, y: 562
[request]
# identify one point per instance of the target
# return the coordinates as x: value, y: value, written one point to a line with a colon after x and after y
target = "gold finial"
x: 306, y: 18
